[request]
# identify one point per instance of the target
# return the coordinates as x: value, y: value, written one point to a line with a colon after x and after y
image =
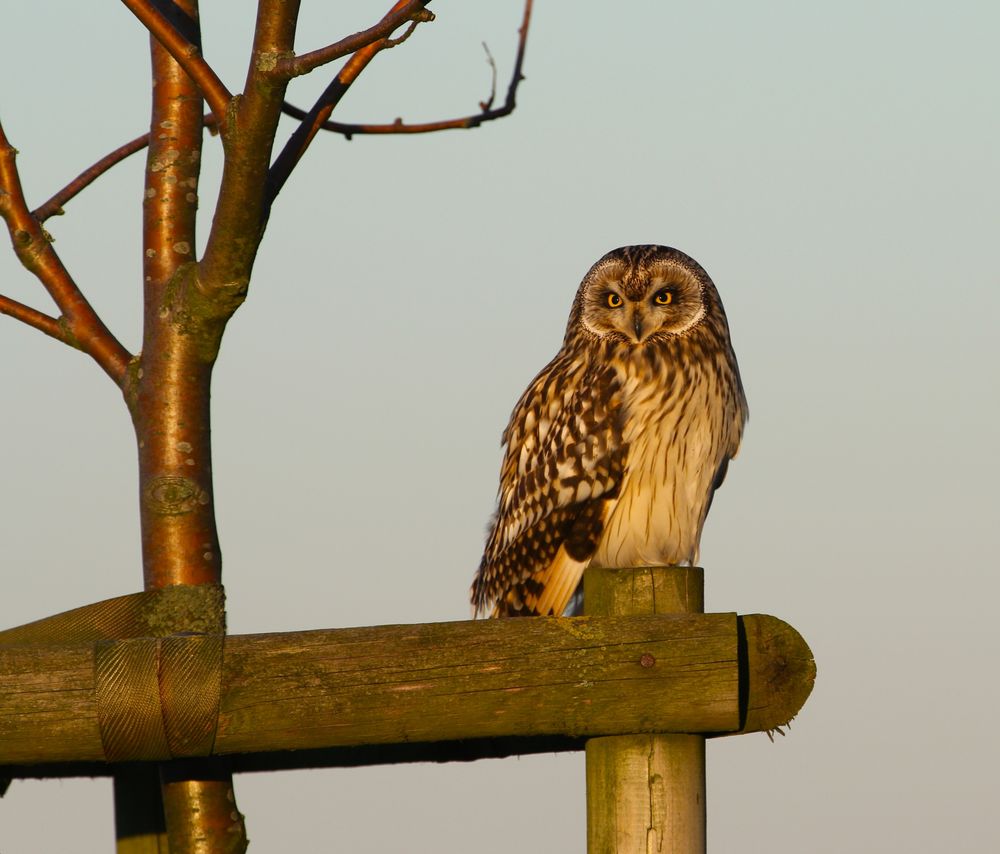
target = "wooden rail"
x: 576, y: 677
x: 640, y: 681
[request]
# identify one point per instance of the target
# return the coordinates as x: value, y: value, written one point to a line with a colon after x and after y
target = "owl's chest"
x: 673, y: 454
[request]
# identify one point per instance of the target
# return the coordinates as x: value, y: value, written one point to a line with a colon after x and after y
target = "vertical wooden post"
x: 139, y: 823
x: 645, y: 793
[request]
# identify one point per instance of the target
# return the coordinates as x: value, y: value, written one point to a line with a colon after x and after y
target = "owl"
x: 615, y: 449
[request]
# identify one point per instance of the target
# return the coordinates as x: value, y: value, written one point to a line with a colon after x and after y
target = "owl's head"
x: 638, y: 294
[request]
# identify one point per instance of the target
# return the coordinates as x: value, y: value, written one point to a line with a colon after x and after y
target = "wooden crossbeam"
x: 427, y: 683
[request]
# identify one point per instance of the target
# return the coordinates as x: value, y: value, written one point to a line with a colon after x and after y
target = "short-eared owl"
x: 615, y: 449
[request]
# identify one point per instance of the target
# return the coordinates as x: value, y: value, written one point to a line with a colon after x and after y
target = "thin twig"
x: 82, y: 326
x: 54, y: 206
x: 486, y: 105
x: 185, y: 52
x: 487, y: 114
x: 304, y: 134
x: 390, y: 42
x: 412, y: 11
x: 26, y: 314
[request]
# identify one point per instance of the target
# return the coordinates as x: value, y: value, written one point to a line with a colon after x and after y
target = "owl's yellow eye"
x: 614, y: 300
x: 664, y: 297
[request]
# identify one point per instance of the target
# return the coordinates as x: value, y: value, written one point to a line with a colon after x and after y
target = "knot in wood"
x: 173, y: 496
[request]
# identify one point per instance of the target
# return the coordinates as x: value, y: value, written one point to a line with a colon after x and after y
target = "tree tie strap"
x: 158, y: 697
x: 157, y: 663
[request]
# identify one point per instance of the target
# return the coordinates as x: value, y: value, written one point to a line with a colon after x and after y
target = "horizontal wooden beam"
x: 450, y: 681
x: 389, y: 687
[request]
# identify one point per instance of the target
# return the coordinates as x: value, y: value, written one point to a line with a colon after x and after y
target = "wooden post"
x: 139, y: 824
x: 645, y: 792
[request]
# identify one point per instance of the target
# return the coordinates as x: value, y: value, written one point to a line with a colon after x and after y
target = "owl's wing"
x: 561, y: 473
x: 735, y: 414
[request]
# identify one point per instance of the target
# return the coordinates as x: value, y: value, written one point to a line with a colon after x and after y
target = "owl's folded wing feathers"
x: 560, y: 476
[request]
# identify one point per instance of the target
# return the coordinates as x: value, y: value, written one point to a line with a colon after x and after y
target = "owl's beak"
x: 639, y: 325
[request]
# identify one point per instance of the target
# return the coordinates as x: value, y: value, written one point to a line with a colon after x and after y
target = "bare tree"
x: 188, y: 300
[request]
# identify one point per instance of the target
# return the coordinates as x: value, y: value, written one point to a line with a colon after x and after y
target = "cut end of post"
x: 777, y: 670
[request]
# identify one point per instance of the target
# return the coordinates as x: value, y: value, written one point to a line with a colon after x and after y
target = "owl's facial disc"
x: 639, y: 304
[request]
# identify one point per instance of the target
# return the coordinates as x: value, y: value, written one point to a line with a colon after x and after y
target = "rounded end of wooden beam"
x: 777, y: 673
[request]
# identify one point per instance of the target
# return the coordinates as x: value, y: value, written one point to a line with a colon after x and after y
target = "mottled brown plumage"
x: 615, y: 449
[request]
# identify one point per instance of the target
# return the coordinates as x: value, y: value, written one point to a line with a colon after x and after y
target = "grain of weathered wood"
x: 498, y: 683
x: 645, y: 792
x: 644, y: 590
x: 435, y: 682
x: 47, y: 704
x: 397, y: 684
x: 780, y: 672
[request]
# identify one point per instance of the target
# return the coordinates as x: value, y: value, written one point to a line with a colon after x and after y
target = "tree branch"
x: 304, y: 134
x: 26, y: 314
x: 81, y: 326
x: 241, y: 209
x: 487, y: 114
x: 412, y: 11
x: 54, y: 206
x: 186, y: 52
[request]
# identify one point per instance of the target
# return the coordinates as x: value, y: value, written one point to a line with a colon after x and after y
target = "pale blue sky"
x: 835, y: 170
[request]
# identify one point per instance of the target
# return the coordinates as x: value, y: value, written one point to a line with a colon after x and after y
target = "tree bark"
x: 167, y: 390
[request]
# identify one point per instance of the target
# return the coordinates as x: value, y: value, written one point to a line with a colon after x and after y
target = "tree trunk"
x: 168, y: 390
